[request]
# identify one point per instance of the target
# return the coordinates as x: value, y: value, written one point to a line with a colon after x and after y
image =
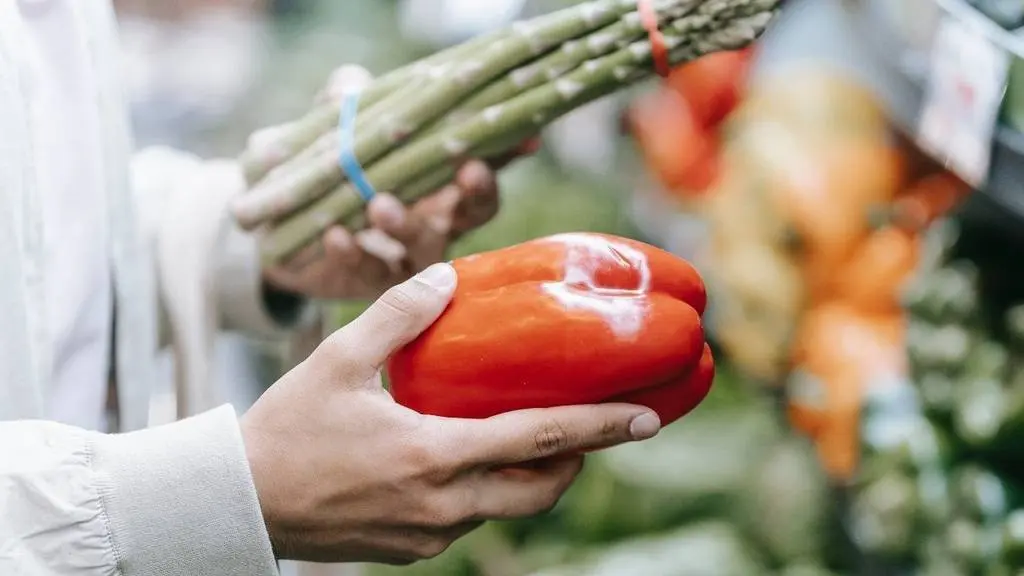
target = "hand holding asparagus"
x: 479, y: 99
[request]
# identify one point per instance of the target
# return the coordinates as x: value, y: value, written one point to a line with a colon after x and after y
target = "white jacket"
x: 173, y: 500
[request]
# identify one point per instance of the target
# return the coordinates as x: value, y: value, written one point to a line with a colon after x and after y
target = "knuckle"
x: 341, y: 349
x: 551, y: 438
x: 400, y: 300
x: 446, y: 510
x: 443, y: 515
x: 541, y: 502
x: 610, y: 429
x: 549, y: 503
x: 431, y: 547
x: 425, y: 458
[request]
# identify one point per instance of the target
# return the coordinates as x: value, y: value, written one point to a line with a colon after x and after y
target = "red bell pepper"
x: 569, y: 319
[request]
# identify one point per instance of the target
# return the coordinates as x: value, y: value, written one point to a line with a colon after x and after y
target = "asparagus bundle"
x: 479, y: 99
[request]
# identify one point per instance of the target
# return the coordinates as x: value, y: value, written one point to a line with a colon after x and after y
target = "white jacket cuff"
x: 180, y: 500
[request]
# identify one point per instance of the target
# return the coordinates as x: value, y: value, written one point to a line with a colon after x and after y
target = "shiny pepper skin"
x: 568, y: 319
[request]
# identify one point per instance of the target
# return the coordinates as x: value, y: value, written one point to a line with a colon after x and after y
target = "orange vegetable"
x: 569, y: 319
x: 818, y: 151
x: 927, y: 200
x: 758, y: 299
x: 872, y: 279
x: 842, y: 354
x: 676, y: 126
x: 681, y: 154
x: 712, y: 84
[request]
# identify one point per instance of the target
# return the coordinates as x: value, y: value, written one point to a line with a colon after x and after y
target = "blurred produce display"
x: 939, y: 488
x: 845, y: 285
x: 806, y: 158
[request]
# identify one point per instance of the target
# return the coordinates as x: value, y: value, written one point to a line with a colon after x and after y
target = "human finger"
x: 480, y: 199
x: 340, y: 247
x: 395, y: 319
x: 527, y: 435
x: 388, y: 214
x: 507, y: 495
x: 379, y: 245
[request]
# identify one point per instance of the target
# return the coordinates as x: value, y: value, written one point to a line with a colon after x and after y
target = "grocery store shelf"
x: 886, y: 45
x: 1005, y: 186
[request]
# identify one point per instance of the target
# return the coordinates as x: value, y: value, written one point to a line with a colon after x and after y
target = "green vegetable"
x: 883, y: 518
x: 944, y: 349
x: 1015, y: 328
x: 805, y: 570
x: 989, y: 359
x: 1012, y: 540
x: 690, y: 471
x: 946, y: 295
x: 712, y: 549
x: 938, y: 395
x: 969, y: 544
x: 982, y: 496
x: 990, y: 419
x: 955, y: 514
x: 468, y: 101
x: 785, y: 508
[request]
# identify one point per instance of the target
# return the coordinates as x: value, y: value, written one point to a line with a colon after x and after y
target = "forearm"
x: 169, y: 501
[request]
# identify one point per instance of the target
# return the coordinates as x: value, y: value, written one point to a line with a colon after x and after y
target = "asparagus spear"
x: 534, y: 108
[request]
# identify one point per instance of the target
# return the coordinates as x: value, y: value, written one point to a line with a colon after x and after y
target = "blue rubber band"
x: 346, y: 145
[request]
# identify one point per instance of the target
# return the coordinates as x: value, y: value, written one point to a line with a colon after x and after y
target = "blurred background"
x: 849, y: 187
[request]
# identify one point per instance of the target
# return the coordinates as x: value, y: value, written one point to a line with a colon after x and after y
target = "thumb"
x: 397, y: 318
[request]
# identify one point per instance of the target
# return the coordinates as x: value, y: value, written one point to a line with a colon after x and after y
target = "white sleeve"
x: 174, y: 191
x: 176, y: 500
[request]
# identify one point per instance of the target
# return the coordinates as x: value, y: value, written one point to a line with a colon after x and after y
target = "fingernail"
x: 645, y: 426
x: 391, y: 211
x: 441, y: 276
x: 338, y: 239
x: 476, y: 175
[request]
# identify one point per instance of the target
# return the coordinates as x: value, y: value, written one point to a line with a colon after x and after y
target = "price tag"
x: 966, y: 85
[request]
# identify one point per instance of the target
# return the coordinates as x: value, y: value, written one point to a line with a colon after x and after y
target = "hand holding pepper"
x: 344, y: 474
